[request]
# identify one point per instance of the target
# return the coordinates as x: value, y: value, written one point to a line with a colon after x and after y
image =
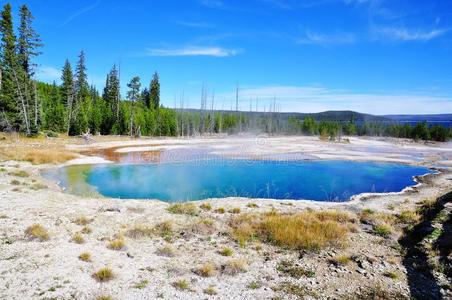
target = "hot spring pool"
x: 313, y: 180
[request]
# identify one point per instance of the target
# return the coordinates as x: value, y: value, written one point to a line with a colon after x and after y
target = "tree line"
x: 75, y: 108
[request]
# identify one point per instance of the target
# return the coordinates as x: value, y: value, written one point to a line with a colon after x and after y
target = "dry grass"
x: 117, y: 243
x: 183, y: 208
x: 210, y: 290
x: 36, y: 156
x: 38, y: 232
x: 104, y: 297
x: 252, y: 205
x: 226, y: 251
x: 166, y: 250
x: 310, y: 230
x: 220, y: 210
x: 78, y: 238
x: 85, y: 256
x: 235, y: 210
x: 181, y: 284
x: 140, y: 231
x: 235, y: 266
x: 204, y: 226
x: 408, y: 217
x: 86, y: 230
x: 208, y: 269
x: 341, y: 260
x: 206, y: 206
x: 103, y: 275
x: 19, y: 173
x: 82, y: 220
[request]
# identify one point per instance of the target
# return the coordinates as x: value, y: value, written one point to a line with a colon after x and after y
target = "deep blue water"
x: 314, y: 180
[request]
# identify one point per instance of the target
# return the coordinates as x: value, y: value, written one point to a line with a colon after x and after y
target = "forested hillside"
x: 74, y: 107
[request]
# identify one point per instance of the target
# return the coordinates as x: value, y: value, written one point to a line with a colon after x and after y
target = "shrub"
x: 183, y: 208
x: 210, y: 290
x: 235, y: 266
x: 85, y: 256
x: 206, y: 206
x: 103, y: 275
x: 51, y: 134
x: 206, y: 270
x: 38, y: 232
x: 181, y: 284
x: 226, y: 251
x: 78, y: 238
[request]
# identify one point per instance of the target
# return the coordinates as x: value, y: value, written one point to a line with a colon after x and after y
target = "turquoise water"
x: 313, y: 180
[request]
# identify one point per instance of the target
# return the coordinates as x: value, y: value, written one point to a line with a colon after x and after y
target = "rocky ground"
x: 397, y: 245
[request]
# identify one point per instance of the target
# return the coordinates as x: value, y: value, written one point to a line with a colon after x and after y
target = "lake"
x: 319, y: 180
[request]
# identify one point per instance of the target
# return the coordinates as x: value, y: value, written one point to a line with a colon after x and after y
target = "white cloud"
x: 327, y: 39
x: 47, y: 74
x: 80, y: 12
x: 192, y: 51
x: 317, y: 98
x: 404, y: 34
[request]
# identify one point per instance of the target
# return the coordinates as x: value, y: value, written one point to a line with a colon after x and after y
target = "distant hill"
x: 420, y: 118
x: 331, y: 115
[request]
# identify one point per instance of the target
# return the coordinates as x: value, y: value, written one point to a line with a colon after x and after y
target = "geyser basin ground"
x: 323, y: 180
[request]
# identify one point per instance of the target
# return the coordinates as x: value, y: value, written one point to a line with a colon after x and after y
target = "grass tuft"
x: 167, y: 251
x: 104, y: 297
x: 86, y: 230
x: 234, y: 267
x: 226, y: 251
x: 206, y: 206
x: 103, y: 275
x: 19, y: 173
x: 340, y: 260
x: 142, y: 284
x: 85, y: 256
x: 183, y: 209
x: 78, y: 238
x: 235, y: 210
x: 38, y: 232
x: 220, y: 210
x: 181, y: 284
x: 290, y: 268
x: 82, y: 220
x: 117, y: 243
x: 208, y: 269
x: 252, y: 205
x: 210, y: 290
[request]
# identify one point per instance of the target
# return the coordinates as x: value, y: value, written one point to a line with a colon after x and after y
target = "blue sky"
x: 373, y: 56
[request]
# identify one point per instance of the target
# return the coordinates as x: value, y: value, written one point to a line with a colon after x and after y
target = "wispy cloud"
x: 318, y: 98
x: 404, y: 34
x: 80, y: 12
x: 192, y: 51
x: 194, y: 24
x: 47, y: 74
x: 326, y: 39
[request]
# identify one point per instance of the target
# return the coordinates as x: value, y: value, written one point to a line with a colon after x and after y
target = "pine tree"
x: 28, y: 42
x: 9, y: 108
x: 133, y: 95
x: 111, y: 97
x: 155, y: 92
x: 67, y: 92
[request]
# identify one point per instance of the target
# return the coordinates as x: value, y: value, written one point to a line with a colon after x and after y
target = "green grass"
x: 181, y: 284
x: 226, y: 251
x: 141, y: 285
